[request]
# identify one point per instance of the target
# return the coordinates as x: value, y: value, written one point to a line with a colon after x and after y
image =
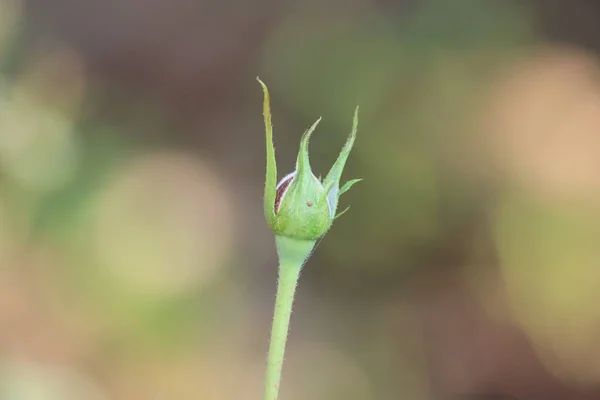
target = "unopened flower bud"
x: 301, y: 206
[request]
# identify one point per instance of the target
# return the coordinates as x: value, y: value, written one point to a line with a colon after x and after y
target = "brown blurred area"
x: 134, y: 259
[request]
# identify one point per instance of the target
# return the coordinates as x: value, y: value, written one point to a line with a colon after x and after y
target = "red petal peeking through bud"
x: 283, y: 185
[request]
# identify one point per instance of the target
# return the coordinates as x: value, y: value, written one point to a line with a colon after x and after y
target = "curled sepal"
x: 332, y: 181
x: 341, y: 213
x: 271, y: 177
x: 348, y: 185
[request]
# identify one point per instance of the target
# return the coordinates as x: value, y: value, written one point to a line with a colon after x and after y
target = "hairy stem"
x: 292, y: 255
x: 288, y: 279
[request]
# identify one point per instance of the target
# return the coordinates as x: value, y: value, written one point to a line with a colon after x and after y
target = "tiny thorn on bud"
x: 309, y: 203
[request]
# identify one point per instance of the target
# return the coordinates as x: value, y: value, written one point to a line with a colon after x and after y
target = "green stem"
x: 288, y: 279
x: 292, y: 256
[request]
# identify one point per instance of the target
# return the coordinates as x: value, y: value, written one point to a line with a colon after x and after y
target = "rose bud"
x: 301, y: 206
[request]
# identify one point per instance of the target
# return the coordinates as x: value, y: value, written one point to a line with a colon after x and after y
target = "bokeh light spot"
x: 164, y: 225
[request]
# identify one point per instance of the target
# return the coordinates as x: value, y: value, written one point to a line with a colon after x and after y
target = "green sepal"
x: 271, y: 177
x: 342, y: 213
x: 332, y: 181
x: 348, y: 185
x: 303, y: 163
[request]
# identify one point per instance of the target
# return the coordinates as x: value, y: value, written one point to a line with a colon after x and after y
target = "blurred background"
x: 135, y: 263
